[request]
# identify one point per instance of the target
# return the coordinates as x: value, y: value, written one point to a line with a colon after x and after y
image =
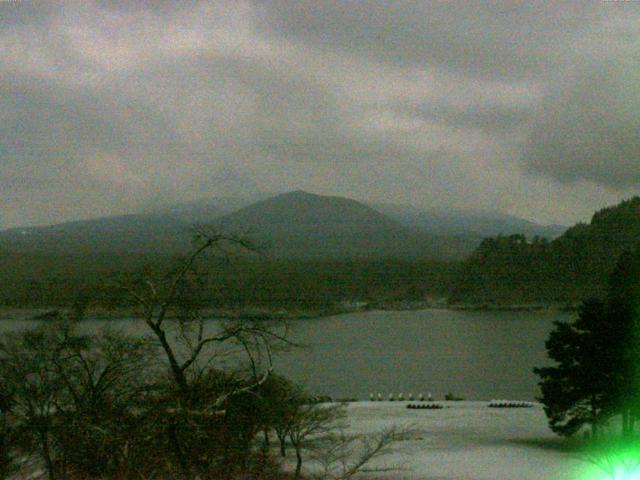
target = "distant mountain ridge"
x: 122, y: 234
x: 478, y: 223
x: 570, y: 268
x: 296, y: 224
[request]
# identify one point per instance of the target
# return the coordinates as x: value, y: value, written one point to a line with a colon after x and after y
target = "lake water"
x: 475, y: 355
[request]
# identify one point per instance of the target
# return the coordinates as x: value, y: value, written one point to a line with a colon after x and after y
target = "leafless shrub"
x: 340, y: 456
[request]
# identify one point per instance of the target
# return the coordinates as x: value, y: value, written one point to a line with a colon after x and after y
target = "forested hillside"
x: 51, y: 281
x: 507, y: 270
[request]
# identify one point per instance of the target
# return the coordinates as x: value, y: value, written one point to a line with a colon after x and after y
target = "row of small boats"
x: 400, y: 397
x: 425, y: 406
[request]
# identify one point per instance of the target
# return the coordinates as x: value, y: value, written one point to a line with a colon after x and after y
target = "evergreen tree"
x: 597, y: 375
x: 623, y: 301
x: 572, y: 395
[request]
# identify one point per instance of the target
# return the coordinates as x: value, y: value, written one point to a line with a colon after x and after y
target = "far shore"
x: 266, y: 313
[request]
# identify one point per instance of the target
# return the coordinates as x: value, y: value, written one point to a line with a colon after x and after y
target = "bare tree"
x: 177, y: 294
x: 172, y: 309
x: 103, y: 379
x: 66, y: 397
x: 9, y: 434
x: 339, y: 456
x: 308, y: 422
x: 318, y: 430
x: 27, y: 369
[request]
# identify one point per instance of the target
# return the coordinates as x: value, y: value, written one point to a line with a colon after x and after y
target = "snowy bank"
x: 470, y: 441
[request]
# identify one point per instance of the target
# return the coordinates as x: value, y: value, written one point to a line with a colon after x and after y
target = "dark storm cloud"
x: 589, y: 127
x: 478, y: 38
x: 106, y: 107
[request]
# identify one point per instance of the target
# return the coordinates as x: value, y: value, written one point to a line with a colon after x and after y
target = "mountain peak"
x: 298, y: 194
x: 306, y: 225
x: 300, y: 206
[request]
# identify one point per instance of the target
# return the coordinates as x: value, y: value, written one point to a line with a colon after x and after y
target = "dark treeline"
x: 40, y: 280
x: 502, y: 270
x: 568, y: 269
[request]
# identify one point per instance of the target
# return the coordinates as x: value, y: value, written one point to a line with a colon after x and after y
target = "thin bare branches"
x: 176, y: 290
x: 341, y: 456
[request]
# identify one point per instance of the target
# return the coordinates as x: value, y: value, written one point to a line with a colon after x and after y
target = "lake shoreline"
x: 263, y: 313
x: 473, y: 355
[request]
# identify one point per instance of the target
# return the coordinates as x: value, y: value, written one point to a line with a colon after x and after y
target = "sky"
x: 527, y: 107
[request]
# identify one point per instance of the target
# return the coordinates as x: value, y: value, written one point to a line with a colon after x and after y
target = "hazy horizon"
x: 111, y: 108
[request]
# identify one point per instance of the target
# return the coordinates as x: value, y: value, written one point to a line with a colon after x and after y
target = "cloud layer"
x: 589, y: 126
x: 110, y: 107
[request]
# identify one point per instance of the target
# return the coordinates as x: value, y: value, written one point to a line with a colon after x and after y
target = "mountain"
x: 300, y: 224
x: 448, y: 222
x: 164, y: 230
x: 570, y: 268
x: 120, y: 234
x: 295, y: 225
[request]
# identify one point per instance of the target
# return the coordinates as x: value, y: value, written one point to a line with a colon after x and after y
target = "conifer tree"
x: 597, y: 355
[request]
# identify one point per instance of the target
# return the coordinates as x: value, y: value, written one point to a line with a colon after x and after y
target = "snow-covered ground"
x: 470, y: 441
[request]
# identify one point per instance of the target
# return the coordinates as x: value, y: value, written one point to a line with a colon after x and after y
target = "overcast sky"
x: 527, y: 107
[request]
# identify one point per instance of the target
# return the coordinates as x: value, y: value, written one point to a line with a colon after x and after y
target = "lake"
x: 475, y: 355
